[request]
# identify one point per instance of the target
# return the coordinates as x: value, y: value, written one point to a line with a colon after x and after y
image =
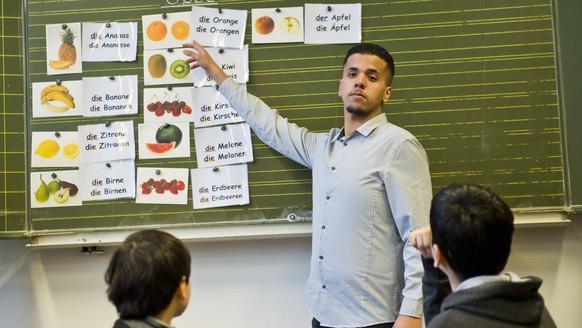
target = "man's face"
x: 363, y: 87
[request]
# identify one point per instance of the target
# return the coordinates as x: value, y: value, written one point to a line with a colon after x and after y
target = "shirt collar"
x: 366, y: 128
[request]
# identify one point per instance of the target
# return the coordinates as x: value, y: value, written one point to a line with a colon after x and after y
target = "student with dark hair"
x: 469, y: 240
x: 371, y: 187
x: 148, y: 279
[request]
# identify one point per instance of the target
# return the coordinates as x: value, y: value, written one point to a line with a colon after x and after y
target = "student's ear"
x: 437, y: 256
x: 182, y: 291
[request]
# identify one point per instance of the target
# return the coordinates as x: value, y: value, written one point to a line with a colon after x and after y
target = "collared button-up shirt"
x: 370, y: 189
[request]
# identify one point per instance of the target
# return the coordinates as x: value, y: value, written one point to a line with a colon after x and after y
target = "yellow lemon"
x: 47, y: 149
x: 71, y: 150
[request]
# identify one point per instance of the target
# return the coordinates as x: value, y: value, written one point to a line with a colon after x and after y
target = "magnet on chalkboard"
x: 112, y: 78
x: 215, y: 169
x: 57, y: 134
x: 107, y: 124
x: 158, y: 172
x: 170, y: 50
x: 278, y: 10
x: 169, y: 88
x: 64, y: 26
x: 216, y: 85
x: 328, y: 8
x: 108, y: 25
x: 220, y: 51
x: 54, y: 175
x: 220, y: 10
x: 223, y: 127
x: 58, y: 82
x: 164, y: 15
x: 291, y: 217
x: 108, y: 164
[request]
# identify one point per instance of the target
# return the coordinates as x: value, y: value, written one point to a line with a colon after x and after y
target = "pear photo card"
x: 109, y: 42
x: 223, y: 145
x: 110, y: 96
x: 55, y: 149
x: 57, y: 99
x: 166, y: 67
x: 333, y: 24
x: 167, y: 30
x: 219, y: 28
x: 54, y: 189
x: 106, y: 142
x: 108, y: 180
x: 170, y: 104
x: 164, y: 140
x: 162, y: 186
x: 220, y: 186
x: 277, y: 25
x: 211, y: 108
x: 63, y: 49
x: 234, y: 62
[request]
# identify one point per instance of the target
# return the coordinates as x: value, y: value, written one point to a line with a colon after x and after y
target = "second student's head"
x: 472, y: 227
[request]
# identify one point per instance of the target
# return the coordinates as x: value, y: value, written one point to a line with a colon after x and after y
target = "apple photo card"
x: 162, y: 185
x: 55, y: 149
x: 54, y: 189
x: 167, y: 30
x: 277, y: 25
x: 219, y: 28
x: 164, y: 140
x: 57, y: 98
x: 333, y: 23
x: 211, y: 108
x: 220, y: 186
x: 108, y: 180
x: 169, y: 104
x: 63, y: 49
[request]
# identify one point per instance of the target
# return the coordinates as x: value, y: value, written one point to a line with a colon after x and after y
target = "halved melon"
x: 160, y: 148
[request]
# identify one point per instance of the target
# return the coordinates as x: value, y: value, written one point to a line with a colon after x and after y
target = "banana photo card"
x: 57, y: 99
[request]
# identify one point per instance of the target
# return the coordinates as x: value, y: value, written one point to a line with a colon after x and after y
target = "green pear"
x: 62, y: 195
x: 42, y: 193
x: 53, y: 186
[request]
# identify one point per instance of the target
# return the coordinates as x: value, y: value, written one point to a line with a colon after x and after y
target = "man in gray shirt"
x: 371, y: 187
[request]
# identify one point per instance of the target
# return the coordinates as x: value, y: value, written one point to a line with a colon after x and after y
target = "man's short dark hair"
x: 376, y: 50
x: 473, y: 228
x: 145, y: 272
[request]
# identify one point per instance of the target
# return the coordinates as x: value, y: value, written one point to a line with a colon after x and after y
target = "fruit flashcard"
x: 54, y: 189
x: 63, y: 49
x: 277, y: 25
x: 219, y: 187
x: 211, y: 108
x: 169, y: 30
x: 219, y: 28
x: 106, y: 142
x: 109, y: 42
x: 223, y: 145
x: 166, y: 67
x: 234, y: 62
x: 57, y: 99
x: 167, y: 105
x: 333, y: 24
x: 108, y: 180
x: 55, y: 149
x: 164, y: 140
x: 162, y: 186
x: 110, y: 96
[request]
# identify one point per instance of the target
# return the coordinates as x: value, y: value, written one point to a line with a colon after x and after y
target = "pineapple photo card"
x: 63, y: 49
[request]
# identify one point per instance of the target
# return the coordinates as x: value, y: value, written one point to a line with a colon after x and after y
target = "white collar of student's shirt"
x: 482, y: 280
x: 158, y: 322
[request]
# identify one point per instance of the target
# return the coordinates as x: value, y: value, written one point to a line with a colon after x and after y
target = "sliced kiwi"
x: 179, y: 69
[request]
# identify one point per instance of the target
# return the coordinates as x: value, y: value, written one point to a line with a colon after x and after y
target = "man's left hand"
x: 404, y: 321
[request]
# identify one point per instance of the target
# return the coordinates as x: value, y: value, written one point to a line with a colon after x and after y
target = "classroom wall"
x: 252, y: 283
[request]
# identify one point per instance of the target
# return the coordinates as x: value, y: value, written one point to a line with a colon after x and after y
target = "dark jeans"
x: 315, y: 324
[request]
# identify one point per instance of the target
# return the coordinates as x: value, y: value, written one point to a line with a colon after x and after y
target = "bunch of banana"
x: 57, y: 93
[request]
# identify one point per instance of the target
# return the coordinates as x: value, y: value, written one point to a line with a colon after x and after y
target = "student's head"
x: 472, y: 228
x: 146, y: 272
x: 374, y: 50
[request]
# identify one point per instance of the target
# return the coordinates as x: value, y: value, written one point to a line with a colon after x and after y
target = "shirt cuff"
x: 411, y: 308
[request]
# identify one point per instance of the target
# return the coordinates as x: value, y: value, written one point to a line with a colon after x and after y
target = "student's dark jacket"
x: 501, y: 304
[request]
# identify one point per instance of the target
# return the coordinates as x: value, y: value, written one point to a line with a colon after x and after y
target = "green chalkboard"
x: 475, y: 82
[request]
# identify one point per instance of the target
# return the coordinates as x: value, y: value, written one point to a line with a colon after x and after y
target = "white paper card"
x: 168, y: 30
x: 277, y: 25
x: 211, y: 108
x: 167, y: 105
x: 224, y: 28
x: 333, y: 23
x: 164, y: 140
x: 54, y: 189
x: 63, y: 49
x: 223, y: 145
x: 110, y: 96
x: 105, y: 181
x: 166, y: 67
x: 109, y: 42
x: 162, y: 186
x: 55, y: 149
x: 225, y: 186
x: 234, y: 62
x: 53, y: 99
x: 106, y: 142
